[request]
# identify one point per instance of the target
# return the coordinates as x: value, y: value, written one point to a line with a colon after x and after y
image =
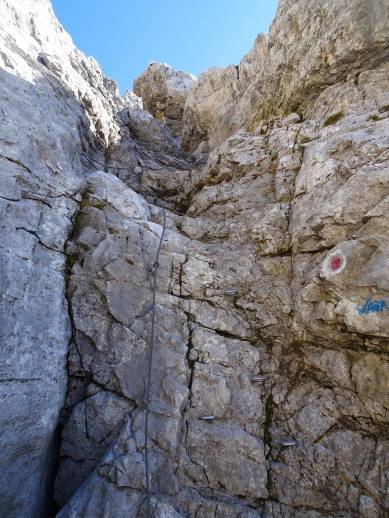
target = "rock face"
x: 310, y: 47
x: 164, y: 92
x: 272, y: 299
x: 55, y: 104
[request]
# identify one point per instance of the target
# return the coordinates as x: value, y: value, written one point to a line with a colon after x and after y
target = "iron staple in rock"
x: 286, y: 443
x: 259, y: 379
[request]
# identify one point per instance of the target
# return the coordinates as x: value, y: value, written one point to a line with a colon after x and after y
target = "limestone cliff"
x: 272, y: 300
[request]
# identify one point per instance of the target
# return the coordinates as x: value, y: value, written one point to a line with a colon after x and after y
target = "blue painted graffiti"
x: 372, y: 306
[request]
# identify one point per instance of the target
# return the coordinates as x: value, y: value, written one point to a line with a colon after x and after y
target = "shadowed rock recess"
x: 272, y: 310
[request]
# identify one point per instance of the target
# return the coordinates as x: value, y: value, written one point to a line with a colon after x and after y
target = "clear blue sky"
x: 124, y: 35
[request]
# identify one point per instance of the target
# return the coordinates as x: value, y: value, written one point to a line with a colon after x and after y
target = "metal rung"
x: 207, y: 418
x: 231, y: 291
x: 259, y: 379
x: 288, y: 442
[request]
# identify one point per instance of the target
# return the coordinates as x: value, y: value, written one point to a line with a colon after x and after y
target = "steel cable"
x: 94, y: 162
x: 150, y: 366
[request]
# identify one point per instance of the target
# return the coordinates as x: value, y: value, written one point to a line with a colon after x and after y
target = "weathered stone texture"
x: 272, y: 299
x: 164, y: 92
x: 310, y: 47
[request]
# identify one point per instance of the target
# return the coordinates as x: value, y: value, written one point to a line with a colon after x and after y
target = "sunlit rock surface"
x: 272, y: 303
x: 164, y: 92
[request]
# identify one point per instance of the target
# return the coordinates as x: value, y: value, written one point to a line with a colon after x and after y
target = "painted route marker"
x: 335, y: 263
x: 372, y: 306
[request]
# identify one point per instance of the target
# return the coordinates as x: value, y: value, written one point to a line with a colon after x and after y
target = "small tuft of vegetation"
x: 85, y: 202
x: 304, y: 139
x: 333, y: 119
x: 160, y: 116
x: 373, y: 117
x: 78, y: 223
x: 300, y: 113
x: 271, y: 486
x: 69, y: 263
x: 99, y: 204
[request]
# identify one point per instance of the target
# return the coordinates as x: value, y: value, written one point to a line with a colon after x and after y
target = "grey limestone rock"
x: 270, y: 374
x: 164, y: 92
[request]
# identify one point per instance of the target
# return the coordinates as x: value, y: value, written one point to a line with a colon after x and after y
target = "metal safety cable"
x: 93, y: 163
x: 150, y: 366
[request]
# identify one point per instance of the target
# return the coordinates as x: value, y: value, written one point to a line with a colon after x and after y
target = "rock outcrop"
x: 309, y: 48
x: 164, y: 92
x: 270, y: 389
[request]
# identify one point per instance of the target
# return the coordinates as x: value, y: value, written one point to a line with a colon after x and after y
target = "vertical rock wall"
x: 54, y: 104
x: 273, y: 281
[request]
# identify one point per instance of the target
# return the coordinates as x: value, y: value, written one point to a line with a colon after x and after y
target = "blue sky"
x: 124, y: 35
